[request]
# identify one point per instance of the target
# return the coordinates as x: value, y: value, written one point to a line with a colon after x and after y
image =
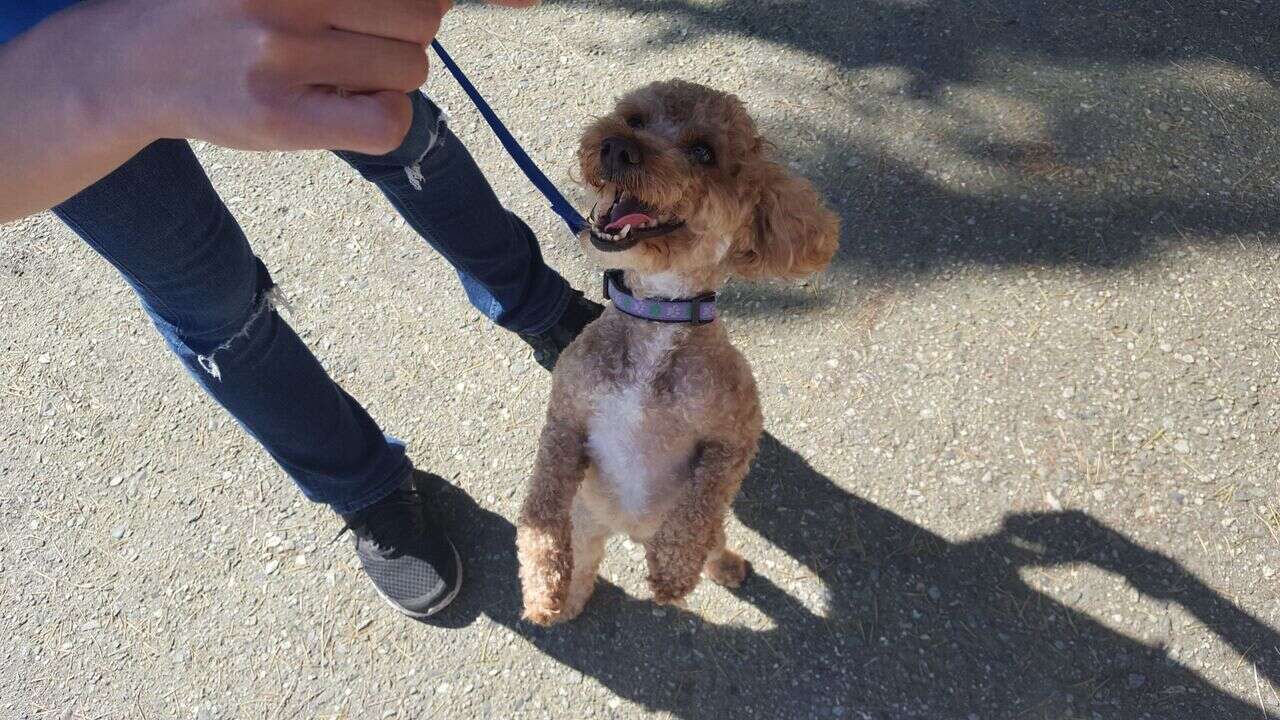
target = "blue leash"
x: 559, y: 204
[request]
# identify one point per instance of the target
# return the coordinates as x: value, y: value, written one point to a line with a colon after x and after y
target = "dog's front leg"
x: 693, y: 529
x: 544, y: 536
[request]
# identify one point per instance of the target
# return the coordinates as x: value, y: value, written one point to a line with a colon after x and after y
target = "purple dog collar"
x: 698, y: 311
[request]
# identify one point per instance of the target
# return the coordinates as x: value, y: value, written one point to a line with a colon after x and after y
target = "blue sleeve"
x: 17, y: 16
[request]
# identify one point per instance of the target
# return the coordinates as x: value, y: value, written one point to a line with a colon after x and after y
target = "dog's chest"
x: 639, y: 442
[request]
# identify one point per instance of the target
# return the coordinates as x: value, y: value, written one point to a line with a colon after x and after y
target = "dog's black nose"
x: 618, y: 155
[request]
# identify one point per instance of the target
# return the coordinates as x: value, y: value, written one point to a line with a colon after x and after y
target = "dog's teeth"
x: 625, y: 231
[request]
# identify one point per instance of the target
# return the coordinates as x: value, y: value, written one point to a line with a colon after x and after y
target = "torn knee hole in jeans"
x: 413, y: 170
x: 272, y: 300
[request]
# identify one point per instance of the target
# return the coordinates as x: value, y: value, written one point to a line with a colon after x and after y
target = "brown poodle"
x: 653, y: 423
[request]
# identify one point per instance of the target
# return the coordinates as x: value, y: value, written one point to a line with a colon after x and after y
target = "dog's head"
x: 687, y: 189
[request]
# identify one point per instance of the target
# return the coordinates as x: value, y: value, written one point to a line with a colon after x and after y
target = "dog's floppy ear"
x: 791, y: 233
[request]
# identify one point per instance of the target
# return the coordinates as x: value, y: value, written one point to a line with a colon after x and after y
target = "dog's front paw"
x: 669, y: 590
x: 544, y: 605
x: 680, y: 603
x: 546, y: 565
x: 674, y: 569
x: 544, y: 614
x: 547, y: 615
x: 729, y: 569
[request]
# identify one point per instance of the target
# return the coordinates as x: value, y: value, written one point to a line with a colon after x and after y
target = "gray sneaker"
x: 412, y: 563
x: 548, y: 345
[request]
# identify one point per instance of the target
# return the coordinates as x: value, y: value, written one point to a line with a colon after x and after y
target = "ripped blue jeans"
x: 159, y: 221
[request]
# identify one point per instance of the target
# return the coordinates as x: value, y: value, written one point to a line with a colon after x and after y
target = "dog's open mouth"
x: 626, y: 222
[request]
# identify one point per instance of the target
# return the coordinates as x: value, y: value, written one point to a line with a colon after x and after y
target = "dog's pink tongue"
x: 635, y: 220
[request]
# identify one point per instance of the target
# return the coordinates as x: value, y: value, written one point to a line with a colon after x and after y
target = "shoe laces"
x: 384, y: 522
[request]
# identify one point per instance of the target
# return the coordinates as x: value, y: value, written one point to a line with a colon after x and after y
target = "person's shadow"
x: 912, y: 626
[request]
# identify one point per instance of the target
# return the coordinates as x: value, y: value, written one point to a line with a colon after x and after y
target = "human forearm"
x: 91, y: 85
x: 64, y: 113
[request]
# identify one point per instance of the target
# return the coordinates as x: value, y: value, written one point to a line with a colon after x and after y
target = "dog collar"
x: 697, y: 311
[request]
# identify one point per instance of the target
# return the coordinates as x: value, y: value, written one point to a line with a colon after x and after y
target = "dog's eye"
x: 635, y: 121
x: 701, y: 153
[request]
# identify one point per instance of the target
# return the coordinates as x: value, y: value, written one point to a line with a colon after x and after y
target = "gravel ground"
x: 1021, y: 456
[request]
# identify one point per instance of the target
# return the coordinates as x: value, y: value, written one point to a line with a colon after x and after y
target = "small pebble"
x: 1052, y: 501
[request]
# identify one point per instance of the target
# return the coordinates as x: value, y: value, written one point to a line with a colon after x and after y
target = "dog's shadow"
x: 911, y: 625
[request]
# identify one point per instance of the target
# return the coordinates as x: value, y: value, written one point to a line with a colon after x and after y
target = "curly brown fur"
x: 543, y: 539
x: 652, y: 427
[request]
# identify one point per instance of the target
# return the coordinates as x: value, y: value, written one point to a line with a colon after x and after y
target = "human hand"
x: 273, y: 74
x: 88, y: 87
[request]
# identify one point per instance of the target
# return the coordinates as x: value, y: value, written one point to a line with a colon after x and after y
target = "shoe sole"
x: 444, y: 602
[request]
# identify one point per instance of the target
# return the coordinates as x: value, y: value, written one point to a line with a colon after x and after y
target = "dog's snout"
x: 619, y: 155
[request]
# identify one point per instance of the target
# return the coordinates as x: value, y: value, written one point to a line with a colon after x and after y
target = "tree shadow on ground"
x: 1151, y: 122
x: 940, y: 43
x: 913, y: 626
